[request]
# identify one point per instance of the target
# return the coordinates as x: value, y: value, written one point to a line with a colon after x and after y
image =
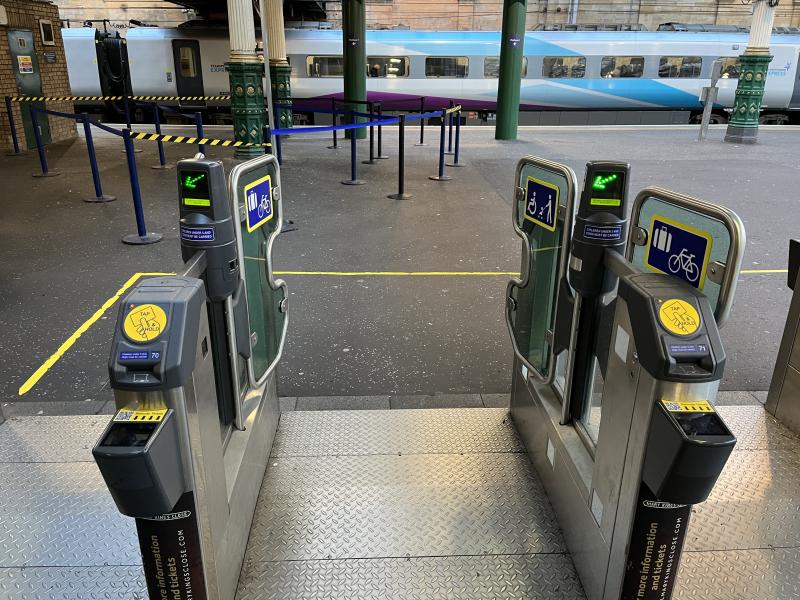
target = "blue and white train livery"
x: 564, y: 71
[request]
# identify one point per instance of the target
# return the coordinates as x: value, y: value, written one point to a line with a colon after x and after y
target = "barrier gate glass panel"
x: 543, y: 214
x: 254, y: 189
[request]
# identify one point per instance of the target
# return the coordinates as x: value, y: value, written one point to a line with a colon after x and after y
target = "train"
x: 564, y: 72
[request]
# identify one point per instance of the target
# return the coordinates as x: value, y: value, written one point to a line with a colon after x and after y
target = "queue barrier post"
x: 162, y: 161
x: 371, y: 111
x: 335, y: 145
x: 127, y: 108
x: 456, y: 162
x: 421, y: 122
x: 99, y: 196
x: 46, y: 172
x: 441, y: 175
x: 12, y: 126
x: 380, y: 155
x: 198, y: 123
x: 401, y: 165
x: 141, y: 237
x: 450, y: 130
x: 354, y: 180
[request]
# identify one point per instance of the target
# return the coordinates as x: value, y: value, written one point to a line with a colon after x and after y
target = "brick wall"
x: 25, y: 14
x: 464, y: 15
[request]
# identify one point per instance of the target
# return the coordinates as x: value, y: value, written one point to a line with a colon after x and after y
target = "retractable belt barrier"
x: 618, y: 358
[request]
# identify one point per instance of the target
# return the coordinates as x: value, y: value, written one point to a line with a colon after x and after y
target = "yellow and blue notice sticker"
x: 541, y: 203
x: 258, y: 201
x: 679, y: 250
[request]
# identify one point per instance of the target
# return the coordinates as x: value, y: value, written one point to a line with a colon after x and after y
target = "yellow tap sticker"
x: 140, y: 416
x: 144, y: 323
x: 694, y: 406
x: 679, y: 317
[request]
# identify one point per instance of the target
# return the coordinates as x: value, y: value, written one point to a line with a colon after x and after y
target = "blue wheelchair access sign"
x: 541, y: 203
x: 679, y: 250
x: 258, y: 200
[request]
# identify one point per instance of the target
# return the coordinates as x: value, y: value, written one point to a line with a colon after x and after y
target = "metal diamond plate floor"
x: 407, y: 504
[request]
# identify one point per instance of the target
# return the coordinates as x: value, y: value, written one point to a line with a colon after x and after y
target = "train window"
x: 680, y: 66
x: 387, y: 66
x: 325, y: 66
x: 491, y: 67
x: 564, y: 67
x: 621, y: 66
x: 188, y: 64
x: 446, y: 66
x: 731, y: 66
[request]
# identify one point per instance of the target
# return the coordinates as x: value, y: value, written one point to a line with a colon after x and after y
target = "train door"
x: 794, y: 102
x: 188, y: 71
x: 29, y: 82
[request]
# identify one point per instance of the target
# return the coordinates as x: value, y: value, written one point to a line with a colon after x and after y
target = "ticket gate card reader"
x: 161, y: 372
x: 669, y: 327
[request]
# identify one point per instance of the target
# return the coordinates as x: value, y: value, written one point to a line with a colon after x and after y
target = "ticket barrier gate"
x: 193, y: 371
x: 783, y: 399
x: 618, y: 359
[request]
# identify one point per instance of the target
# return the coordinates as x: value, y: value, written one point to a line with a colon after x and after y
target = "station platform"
x: 391, y: 504
x: 429, y: 494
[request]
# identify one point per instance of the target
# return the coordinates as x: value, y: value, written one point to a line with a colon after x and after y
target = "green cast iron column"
x: 247, y: 105
x: 279, y: 70
x: 511, y: 51
x: 354, y: 18
x: 743, y: 126
x: 280, y: 76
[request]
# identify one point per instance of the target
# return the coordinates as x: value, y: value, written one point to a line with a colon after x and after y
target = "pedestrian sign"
x: 679, y: 250
x: 258, y: 200
x: 541, y: 203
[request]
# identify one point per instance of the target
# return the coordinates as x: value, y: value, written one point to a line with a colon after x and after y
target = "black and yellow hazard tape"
x: 114, y: 98
x: 183, y: 139
x: 63, y: 98
x: 179, y: 98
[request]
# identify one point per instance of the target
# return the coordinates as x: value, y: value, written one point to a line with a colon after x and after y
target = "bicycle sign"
x: 541, y: 203
x: 678, y: 249
x: 258, y: 200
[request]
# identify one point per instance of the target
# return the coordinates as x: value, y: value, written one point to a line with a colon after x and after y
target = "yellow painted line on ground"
x: 70, y: 341
x: 399, y: 273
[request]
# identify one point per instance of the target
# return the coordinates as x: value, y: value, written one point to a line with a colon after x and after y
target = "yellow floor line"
x: 400, y: 273
x: 70, y: 341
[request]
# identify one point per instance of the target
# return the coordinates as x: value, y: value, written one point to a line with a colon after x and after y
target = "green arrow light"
x: 190, y: 182
x: 601, y: 181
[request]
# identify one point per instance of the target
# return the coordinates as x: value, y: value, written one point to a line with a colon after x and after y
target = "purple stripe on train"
x: 406, y: 102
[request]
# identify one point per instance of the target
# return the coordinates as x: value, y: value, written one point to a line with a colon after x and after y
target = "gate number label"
x: 541, y: 203
x: 679, y: 250
x: 258, y: 201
